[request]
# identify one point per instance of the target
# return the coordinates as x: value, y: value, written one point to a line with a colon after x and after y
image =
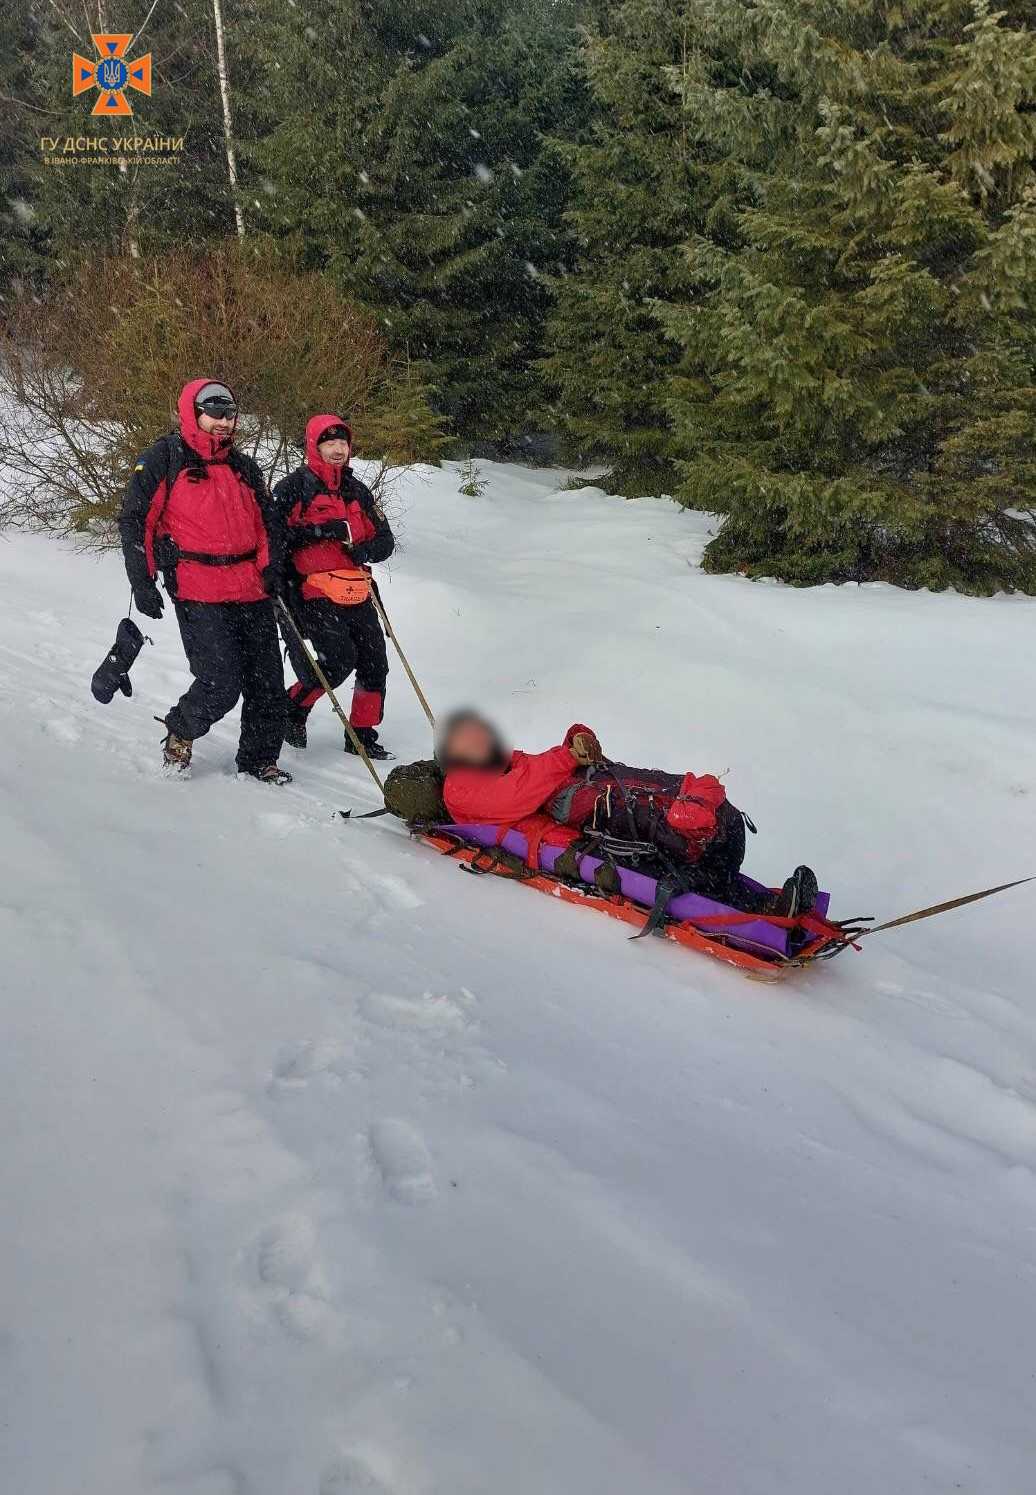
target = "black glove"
x: 273, y: 581
x: 335, y: 529
x: 112, y: 673
x: 148, y: 600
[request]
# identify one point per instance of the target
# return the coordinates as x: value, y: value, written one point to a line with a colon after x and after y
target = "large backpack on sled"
x: 678, y: 817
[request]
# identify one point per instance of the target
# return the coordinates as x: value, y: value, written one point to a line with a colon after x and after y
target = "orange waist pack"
x: 348, y: 586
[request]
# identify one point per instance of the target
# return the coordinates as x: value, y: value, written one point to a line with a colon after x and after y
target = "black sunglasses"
x: 217, y: 407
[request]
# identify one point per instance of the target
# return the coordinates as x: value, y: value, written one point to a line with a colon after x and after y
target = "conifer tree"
x: 53, y: 214
x: 320, y: 72
x: 458, y: 208
x: 407, y: 159
x: 858, y: 393
x: 635, y: 196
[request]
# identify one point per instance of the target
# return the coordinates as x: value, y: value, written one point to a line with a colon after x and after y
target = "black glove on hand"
x: 273, y: 581
x: 148, y: 600
x: 335, y: 529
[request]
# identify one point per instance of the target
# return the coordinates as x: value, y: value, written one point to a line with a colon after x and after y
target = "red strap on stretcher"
x: 811, y: 923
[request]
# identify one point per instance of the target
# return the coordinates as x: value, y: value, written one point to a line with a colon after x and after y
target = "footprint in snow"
x: 62, y: 730
x: 287, y: 1252
x: 396, y: 890
x: 212, y: 1482
x: 348, y: 1475
x: 299, y: 1062
x: 425, y: 1011
x: 277, y: 823
x: 402, y: 1160
x: 288, y: 1265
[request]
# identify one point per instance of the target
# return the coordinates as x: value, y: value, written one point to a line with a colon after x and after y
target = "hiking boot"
x: 798, y: 895
x: 176, y: 755
x: 295, y: 733
x: 372, y: 747
x: 270, y: 773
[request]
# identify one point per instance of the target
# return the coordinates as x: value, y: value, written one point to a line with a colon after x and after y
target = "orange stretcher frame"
x: 827, y: 939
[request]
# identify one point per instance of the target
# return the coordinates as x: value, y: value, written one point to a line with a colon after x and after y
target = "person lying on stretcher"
x: 684, y: 827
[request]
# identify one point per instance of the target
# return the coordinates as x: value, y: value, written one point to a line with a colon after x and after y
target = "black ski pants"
x: 345, y: 639
x: 234, y: 654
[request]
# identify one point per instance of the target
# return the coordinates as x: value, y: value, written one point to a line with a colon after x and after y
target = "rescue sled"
x: 763, y: 945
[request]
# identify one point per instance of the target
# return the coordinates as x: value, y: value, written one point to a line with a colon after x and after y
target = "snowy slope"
x: 328, y: 1170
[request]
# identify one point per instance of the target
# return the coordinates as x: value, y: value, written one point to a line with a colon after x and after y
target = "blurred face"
x: 335, y: 451
x: 471, y: 744
x: 216, y: 425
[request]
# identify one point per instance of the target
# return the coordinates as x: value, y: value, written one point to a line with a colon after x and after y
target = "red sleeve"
x: 477, y: 796
x: 153, y: 515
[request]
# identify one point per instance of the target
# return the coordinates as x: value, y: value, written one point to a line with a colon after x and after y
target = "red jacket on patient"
x: 506, y: 796
x: 680, y: 815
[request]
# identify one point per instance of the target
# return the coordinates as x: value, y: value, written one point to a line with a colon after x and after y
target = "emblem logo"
x: 112, y: 73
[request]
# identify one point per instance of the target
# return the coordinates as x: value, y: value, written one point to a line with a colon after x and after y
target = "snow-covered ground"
x: 327, y: 1170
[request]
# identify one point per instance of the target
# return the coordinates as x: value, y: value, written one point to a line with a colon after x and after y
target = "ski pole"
x: 350, y: 730
x: 383, y: 615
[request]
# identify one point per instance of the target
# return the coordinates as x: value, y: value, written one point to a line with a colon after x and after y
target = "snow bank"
x: 329, y: 1170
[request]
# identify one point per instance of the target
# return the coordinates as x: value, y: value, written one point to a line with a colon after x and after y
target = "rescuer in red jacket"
x: 686, y: 823
x: 334, y: 530
x: 196, y: 509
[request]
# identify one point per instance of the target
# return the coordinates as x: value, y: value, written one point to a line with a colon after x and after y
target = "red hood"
x: 209, y: 447
x: 330, y: 476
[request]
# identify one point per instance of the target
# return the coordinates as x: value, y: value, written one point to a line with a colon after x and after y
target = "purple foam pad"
x: 641, y: 889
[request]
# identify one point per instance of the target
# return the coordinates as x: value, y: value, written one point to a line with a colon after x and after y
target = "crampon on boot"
x: 176, y: 754
x: 372, y: 747
x: 270, y: 773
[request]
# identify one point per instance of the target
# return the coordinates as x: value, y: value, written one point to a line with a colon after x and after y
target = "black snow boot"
x: 295, y: 729
x: 372, y: 747
x: 798, y: 895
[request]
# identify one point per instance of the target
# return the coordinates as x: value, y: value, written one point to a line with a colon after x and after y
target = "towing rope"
x: 943, y: 908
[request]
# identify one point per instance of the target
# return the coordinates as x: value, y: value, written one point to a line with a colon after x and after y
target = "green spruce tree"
x: 858, y: 393
x: 636, y: 195
x: 55, y: 214
x: 458, y: 209
x: 406, y: 158
x: 321, y: 71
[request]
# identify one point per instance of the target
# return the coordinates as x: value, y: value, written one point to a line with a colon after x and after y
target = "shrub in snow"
x: 473, y: 484
x: 89, y: 377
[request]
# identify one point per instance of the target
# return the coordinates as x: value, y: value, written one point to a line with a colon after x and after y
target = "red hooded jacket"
x: 195, y: 495
x: 318, y: 494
